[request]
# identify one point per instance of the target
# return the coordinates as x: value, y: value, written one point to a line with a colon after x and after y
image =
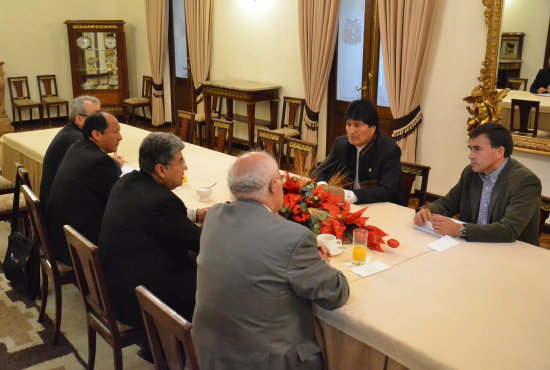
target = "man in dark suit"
x: 541, y: 84
x: 497, y: 198
x: 368, y: 158
x: 258, y: 275
x: 80, y: 108
x: 82, y: 183
x: 147, y: 232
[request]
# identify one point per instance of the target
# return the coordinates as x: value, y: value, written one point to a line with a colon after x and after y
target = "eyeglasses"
x: 179, y: 163
x: 82, y: 115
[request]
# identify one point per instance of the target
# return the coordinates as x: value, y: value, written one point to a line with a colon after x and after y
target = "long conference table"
x: 473, y: 306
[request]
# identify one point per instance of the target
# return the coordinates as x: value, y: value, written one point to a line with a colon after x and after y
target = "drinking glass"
x: 359, y: 252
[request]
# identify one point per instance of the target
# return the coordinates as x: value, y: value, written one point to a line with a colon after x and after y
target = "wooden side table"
x: 247, y: 91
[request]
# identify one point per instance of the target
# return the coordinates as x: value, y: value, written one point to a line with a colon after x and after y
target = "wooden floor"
x: 146, y: 125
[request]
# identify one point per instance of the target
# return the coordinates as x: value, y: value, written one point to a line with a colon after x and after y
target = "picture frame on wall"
x: 511, y: 45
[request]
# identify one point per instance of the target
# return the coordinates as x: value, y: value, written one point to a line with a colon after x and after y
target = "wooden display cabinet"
x: 98, y: 61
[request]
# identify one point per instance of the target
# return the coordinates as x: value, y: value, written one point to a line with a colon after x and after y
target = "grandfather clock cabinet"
x: 98, y: 61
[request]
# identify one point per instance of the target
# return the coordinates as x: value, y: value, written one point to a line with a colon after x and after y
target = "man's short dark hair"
x: 158, y: 148
x: 362, y: 110
x: 95, y: 121
x: 497, y: 134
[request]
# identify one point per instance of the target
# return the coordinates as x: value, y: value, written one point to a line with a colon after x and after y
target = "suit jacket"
x: 258, y: 275
x: 542, y: 80
x: 144, y: 240
x: 53, y: 157
x: 513, y: 210
x: 79, y: 194
x: 379, y: 165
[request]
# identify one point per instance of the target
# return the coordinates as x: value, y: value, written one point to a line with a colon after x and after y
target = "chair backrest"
x: 305, y: 156
x: 271, y: 142
x: 147, y: 87
x: 19, y: 87
x: 515, y: 83
x: 409, y: 171
x: 169, y: 334
x: 91, y: 283
x: 225, y: 133
x: 524, y: 107
x: 293, y: 117
x: 185, y: 125
x: 544, y: 211
x: 47, y: 85
x: 23, y: 175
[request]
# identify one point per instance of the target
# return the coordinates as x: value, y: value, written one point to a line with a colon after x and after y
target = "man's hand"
x: 542, y: 90
x: 445, y: 226
x: 324, y: 252
x: 119, y: 159
x: 422, y: 216
x: 201, y: 214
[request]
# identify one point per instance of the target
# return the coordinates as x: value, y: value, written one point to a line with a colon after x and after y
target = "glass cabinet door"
x: 97, y: 60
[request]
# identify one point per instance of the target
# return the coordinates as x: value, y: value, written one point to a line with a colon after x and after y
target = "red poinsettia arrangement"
x: 325, y: 213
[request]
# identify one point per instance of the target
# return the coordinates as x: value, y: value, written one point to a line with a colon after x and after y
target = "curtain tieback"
x: 311, y: 119
x: 158, y: 90
x: 405, y: 125
x: 198, y: 94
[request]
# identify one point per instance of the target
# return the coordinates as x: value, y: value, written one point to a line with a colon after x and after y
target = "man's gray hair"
x: 77, y: 106
x: 158, y: 148
x: 251, y: 181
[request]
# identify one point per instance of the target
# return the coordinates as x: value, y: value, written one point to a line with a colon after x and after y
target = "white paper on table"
x: 126, y: 169
x: 443, y: 243
x: 369, y: 268
x: 428, y: 227
x: 544, y: 94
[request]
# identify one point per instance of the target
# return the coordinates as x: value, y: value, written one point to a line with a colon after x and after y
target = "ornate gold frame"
x: 484, y: 100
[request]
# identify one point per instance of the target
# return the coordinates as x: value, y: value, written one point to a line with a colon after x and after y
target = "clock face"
x: 110, y: 42
x: 83, y: 42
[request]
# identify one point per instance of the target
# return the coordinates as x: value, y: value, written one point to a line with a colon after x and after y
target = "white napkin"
x: 443, y: 243
x: 368, y: 268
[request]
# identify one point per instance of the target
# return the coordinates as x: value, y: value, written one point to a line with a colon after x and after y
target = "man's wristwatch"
x: 463, y: 231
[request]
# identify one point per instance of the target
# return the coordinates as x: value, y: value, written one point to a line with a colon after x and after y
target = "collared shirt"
x: 488, y: 185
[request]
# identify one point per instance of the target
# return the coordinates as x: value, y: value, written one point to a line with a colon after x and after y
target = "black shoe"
x: 145, y: 353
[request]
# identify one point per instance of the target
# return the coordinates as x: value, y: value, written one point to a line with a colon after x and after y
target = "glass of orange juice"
x: 184, y: 180
x: 359, y: 252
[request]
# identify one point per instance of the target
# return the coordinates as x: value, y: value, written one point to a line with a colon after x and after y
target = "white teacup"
x: 204, y: 193
x: 330, y: 241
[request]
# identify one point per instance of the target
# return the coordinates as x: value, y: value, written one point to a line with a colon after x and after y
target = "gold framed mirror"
x: 485, y: 100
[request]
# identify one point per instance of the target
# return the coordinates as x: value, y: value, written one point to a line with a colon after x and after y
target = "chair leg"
x: 117, y: 354
x: 44, y: 295
x: 125, y: 112
x: 48, y: 114
x: 58, y: 306
x: 91, y: 347
x: 144, y: 116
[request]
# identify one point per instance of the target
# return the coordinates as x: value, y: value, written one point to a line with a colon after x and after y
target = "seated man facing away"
x: 369, y: 159
x: 80, y: 108
x: 497, y: 197
x: 82, y: 183
x: 541, y: 84
x: 257, y: 277
x: 146, y: 233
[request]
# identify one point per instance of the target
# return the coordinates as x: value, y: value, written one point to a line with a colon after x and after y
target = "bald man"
x: 82, y: 183
x: 257, y: 277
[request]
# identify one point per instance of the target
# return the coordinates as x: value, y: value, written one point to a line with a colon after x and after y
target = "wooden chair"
x: 409, y: 171
x: 143, y: 101
x: 185, y: 125
x: 47, y: 87
x: 303, y: 152
x: 225, y: 134
x: 99, y: 314
x: 524, y: 107
x: 515, y: 83
x: 6, y: 198
x: 544, y: 211
x: 20, y: 98
x: 169, y: 334
x: 271, y: 142
x: 60, y: 273
x: 291, y: 124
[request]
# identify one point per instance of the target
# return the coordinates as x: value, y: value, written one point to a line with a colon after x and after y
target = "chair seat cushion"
x: 6, y: 202
x: 201, y: 118
x: 53, y: 99
x: 288, y: 132
x: 5, y: 183
x: 24, y: 102
x: 63, y: 268
x: 136, y: 101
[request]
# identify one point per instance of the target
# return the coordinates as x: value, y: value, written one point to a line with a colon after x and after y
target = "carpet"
x: 25, y: 342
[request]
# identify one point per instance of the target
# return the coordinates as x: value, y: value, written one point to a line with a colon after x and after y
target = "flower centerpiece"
x: 317, y: 208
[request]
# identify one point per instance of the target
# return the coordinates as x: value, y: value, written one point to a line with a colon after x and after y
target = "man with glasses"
x: 148, y: 232
x: 369, y: 160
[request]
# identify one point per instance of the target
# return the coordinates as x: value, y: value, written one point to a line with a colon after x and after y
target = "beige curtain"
x: 157, y: 37
x: 317, y: 22
x: 404, y: 33
x: 198, y: 20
